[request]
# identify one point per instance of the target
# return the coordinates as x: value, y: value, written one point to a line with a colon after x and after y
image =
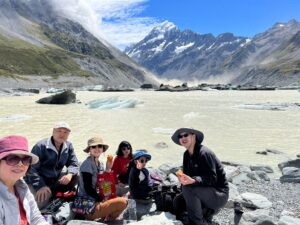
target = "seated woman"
x: 120, y: 166
x: 139, y: 181
x: 17, y: 204
x: 89, y: 169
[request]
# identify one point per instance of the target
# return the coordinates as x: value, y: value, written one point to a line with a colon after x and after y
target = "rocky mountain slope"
x: 269, y: 58
x: 39, y: 47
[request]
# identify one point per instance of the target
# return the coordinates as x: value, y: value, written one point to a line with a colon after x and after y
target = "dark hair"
x: 122, y: 145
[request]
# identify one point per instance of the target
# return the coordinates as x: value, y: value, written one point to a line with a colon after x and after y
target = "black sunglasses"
x: 143, y: 160
x: 13, y: 160
x: 95, y: 146
x: 183, y: 135
x: 125, y: 148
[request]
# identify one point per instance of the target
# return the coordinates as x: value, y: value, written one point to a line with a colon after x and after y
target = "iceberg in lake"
x: 191, y: 115
x: 271, y: 106
x: 15, y: 118
x: 113, y: 103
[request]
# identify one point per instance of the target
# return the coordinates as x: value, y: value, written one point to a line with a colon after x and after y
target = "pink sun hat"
x: 15, y: 144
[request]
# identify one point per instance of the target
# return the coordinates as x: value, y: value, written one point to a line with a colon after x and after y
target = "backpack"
x: 164, y: 196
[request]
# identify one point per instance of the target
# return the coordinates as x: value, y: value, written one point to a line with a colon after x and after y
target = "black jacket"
x: 205, y: 168
x: 139, y: 189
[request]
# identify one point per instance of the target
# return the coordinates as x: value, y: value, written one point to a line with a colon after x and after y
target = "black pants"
x: 199, y: 198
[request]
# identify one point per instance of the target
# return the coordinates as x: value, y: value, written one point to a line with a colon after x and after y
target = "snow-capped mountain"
x: 187, y: 56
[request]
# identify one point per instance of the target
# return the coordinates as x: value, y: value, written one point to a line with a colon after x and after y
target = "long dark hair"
x: 124, y: 144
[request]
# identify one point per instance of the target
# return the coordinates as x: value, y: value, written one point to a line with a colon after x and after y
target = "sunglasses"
x: 183, y: 135
x: 125, y: 148
x: 13, y: 160
x: 143, y: 160
x: 95, y: 146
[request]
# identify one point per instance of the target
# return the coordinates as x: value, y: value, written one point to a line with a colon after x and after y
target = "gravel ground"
x: 284, y: 196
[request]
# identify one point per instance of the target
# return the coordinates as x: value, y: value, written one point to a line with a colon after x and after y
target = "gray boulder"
x: 290, y: 174
x: 290, y: 163
x: 266, y: 169
x: 288, y: 220
x: 256, y: 217
x: 254, y: 201
x: 65, y: 97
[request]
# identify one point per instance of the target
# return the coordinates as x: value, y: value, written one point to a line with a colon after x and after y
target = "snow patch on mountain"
x: 180, y: 49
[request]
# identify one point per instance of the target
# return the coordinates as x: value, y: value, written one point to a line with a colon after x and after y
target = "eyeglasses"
x: 95, y: 146
x: 183, y: 135
x: 125, y: 148
x: 13, y: 160
x: 143, y: 160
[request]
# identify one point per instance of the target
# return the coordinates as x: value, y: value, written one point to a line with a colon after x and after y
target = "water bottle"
x: 129, y: 215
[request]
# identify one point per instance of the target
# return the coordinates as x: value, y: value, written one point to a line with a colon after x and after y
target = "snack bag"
x: 106, y: 185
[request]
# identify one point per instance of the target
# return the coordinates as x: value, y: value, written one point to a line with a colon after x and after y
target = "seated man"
x: 204, y: 185
x: 46, y: 178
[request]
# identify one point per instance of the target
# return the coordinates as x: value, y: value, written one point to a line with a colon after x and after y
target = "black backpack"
x: 164, y: 196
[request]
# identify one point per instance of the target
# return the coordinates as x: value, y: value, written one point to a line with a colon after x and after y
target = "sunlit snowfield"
x: 232, y: 129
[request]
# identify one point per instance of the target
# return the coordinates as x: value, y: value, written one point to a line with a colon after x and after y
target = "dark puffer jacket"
x: 139, y: 189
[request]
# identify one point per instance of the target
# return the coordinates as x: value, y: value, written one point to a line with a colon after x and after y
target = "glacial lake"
x: 236, y: 124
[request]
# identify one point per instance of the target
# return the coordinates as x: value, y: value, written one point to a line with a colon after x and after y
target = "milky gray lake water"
x: 233, y: 128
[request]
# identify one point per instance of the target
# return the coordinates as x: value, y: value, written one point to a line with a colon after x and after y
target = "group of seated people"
x: 45, y: 175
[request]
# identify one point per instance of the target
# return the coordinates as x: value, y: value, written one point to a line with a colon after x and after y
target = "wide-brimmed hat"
x: 141, y: 153
x: 199, y: 134
x: 95, y: 141
x: 17, y: 145
x: 62, y: 124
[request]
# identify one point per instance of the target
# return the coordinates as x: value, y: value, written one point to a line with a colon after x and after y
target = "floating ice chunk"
x: 113, y: 103
x: 160, y: 130
x: 270, y: 106
x: 15, y: 118
x: 190, y: 116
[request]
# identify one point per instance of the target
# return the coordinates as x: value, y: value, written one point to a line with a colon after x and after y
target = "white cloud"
x: 117, y: 21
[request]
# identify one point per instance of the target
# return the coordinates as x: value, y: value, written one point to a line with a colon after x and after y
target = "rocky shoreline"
x: 261, y: 200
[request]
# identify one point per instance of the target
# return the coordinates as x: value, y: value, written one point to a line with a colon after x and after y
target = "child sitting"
x: 139, y: 182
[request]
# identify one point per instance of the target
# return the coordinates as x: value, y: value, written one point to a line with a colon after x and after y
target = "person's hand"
x: 186, y: 180
x: 121, y: 184
x: 64, y: 180
x: 109, y: 164
x: 43, y: 194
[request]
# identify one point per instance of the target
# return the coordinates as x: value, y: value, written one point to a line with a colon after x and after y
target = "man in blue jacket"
x: 47, y: 177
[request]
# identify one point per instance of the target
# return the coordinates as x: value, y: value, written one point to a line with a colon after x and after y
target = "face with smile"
x: 187, y: 140
x: 12, y: 168
x: 96, y: 150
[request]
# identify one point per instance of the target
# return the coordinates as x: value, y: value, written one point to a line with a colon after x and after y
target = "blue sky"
x: 245, y: 18
x: 122, y: 22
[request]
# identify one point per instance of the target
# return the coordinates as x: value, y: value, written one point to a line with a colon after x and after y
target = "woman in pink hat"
x: 17, y: 204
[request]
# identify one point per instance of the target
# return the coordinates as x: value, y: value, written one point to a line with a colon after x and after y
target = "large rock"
x: 164, y: 218
x: 288, y: 220
x: 256, y: 217
x: 290, y: 163
x: 290, y: 174
x: 255, y: 201
x: 233, y: 194
x: 266, y: 169
x: 65, y: 97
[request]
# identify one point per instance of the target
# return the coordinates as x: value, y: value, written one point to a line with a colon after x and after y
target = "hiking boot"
x: 208, y: 215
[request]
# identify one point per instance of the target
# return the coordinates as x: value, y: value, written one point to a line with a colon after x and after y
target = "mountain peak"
x: 165, y: 27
